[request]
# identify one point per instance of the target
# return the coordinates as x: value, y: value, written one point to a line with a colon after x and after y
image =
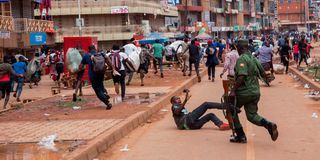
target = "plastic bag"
x: 278, y: 68
x: 48, y: 142
x: 133, y: 53
x: 73, y: 60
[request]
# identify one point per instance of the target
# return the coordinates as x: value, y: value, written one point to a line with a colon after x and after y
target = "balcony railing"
x: 100, y: 29
x: 6, y: 23
x: 33, y: 25
x: 69, y: 7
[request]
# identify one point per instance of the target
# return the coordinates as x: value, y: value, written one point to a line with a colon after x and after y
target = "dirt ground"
x: 61, y: 107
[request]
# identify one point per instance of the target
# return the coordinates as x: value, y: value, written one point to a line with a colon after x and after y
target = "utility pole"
x: 186, y: 17
x: 79, y: 19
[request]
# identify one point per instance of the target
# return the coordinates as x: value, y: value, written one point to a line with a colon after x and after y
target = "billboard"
x: 119, y: 9
x: 38, y: 38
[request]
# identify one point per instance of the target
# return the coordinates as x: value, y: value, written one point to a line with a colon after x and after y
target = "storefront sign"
x: 119, y: 9
x: 38, y: 38
x: 4, y: 35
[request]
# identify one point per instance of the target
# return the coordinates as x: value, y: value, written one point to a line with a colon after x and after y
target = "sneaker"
x: 15, y: 94
x: 74, y: 97
x: 142, y: 84
x: 209, y: 78
x: 109, y: 106
x: 238, y: 139
x: 212, y: 79
x: 161, y: 75
x: 224, y: 126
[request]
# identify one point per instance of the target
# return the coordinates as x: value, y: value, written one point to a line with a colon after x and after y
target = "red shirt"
x: 295, y: 49
x: 5, y: 78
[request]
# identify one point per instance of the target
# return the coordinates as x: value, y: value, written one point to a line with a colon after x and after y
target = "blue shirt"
x: 264, y: 54
x: 87, y: 60
x: 20, y: 67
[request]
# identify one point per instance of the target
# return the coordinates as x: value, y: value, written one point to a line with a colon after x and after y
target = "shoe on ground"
x: 224, y: 126
x: 161, y: 75
x: 74, y: 97
x: 238, y: 139
x: 15, y: 94
x: 189, y: 74
x: 212, y: 80
x: 18, y: 100
x: 199, y: 79
x: 128, y: 84
x: 142, y: 84
x: 184, y: 74
x: 155, y: 72
x: 209, y: 78
x: 273, y: 131
x: 109, y: 106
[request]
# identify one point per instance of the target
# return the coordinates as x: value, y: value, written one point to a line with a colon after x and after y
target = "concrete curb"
x: 305, y: 79
x: 106, y: 139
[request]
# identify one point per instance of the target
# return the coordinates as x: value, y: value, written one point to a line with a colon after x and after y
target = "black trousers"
x: 212, y: 71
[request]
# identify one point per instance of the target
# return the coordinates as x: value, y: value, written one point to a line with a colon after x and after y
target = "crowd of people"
x: 132, y: 58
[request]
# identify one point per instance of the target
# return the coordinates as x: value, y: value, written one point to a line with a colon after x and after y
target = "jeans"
x: 19, y: 87
x: 196, y: 66
x: 98, y: 87
x: 211, y: 71
x: 159, y: 60
x: 197, y: 118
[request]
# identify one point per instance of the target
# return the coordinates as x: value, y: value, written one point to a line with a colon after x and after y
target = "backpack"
x: 98, y: 62
x: 116, y: 60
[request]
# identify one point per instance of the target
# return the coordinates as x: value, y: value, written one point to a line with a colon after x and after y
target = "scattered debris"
x: 46, y: 114
x: 306, y: 86
x: 76, y: 107
x: 164, y: 110
x: 314, y: 115
x: 48, y: 142
x: 125, y: 148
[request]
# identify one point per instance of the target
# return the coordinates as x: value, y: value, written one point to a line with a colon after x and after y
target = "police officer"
x: 246, y: 91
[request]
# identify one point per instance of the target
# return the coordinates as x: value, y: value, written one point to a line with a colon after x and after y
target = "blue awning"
x: 152, y: 37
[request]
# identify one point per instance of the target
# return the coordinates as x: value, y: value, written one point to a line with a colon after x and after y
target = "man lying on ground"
x: 195, y: 119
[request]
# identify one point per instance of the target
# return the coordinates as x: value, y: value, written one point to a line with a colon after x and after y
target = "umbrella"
x: 203, y: 36
x: 152, y: 37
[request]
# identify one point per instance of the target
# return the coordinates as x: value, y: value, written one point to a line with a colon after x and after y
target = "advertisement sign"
x: 4, y: 1
x: 119, y: 9
x: 4, y: 35
x: 38, y: 38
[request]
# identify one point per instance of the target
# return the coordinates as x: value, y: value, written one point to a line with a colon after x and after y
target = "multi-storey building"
x: 19, y: 31
x: 296, y: 15
x: 112, y: 21
x: 226, y: 18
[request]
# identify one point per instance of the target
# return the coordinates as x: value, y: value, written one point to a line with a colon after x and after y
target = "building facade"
x: 297, y: 15
x: 110, y: 20
x: 227, y: 18
x: 19, y: 29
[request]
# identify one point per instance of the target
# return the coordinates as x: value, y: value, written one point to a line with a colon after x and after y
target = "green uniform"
x: 248, y: 94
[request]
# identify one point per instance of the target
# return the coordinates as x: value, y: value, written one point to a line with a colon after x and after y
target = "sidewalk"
x: 56, y: 115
